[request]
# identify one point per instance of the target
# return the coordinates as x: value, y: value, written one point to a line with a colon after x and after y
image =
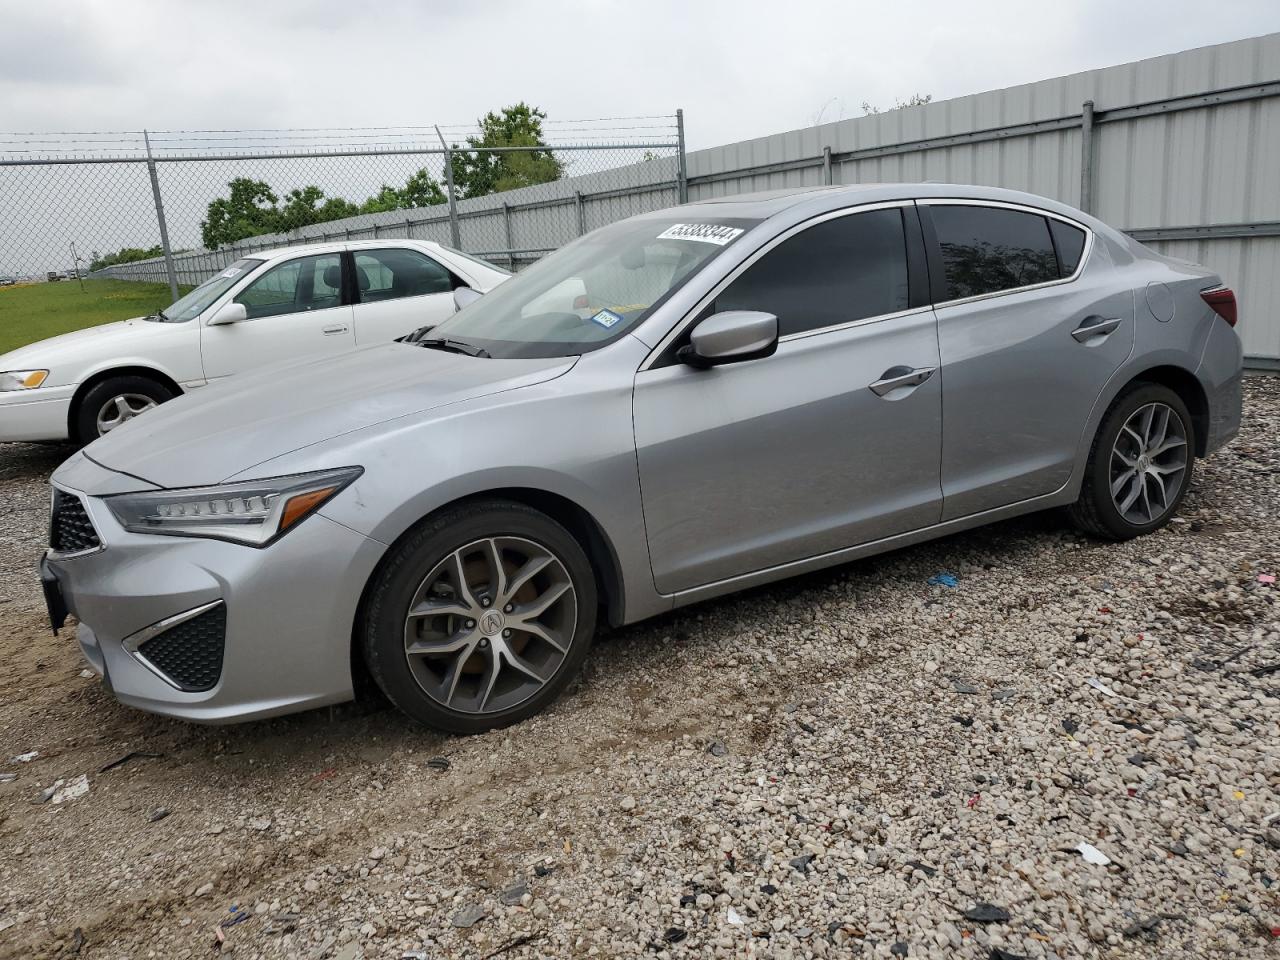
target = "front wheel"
x: 116, y: 401
x: 1140, y: 465
x: 480, y: 617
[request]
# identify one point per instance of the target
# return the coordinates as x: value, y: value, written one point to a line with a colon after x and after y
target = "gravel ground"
x: 853, y: 763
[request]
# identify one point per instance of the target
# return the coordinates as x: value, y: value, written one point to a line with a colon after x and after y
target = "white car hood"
x: 216, y: 432
x: 63, y: 356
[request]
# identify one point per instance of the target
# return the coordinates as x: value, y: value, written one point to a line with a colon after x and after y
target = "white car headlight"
x: 22, y: 379
x: 254, y: 512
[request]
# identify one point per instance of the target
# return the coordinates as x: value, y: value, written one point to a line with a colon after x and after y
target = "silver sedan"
x: 671, y: 408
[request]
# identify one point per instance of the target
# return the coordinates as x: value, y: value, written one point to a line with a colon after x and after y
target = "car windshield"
x: 198, y: 300
x: 592, y: 291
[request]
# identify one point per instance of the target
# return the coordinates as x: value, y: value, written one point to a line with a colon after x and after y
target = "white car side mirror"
x: 229, y: 313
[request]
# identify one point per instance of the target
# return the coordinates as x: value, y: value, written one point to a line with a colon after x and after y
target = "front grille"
x: 190, y: 653
x: 70, y: 529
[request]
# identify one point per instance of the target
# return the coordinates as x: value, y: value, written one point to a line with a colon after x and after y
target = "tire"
x: 458, y: 691
x: 1096, y: 512
x: 133, y: 392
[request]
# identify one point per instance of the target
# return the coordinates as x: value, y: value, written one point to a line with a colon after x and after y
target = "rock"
x: 627, y: 804
x: 469, y: 916
x: 986, y: 913
x: 801, y: 863
x: 514, y: 894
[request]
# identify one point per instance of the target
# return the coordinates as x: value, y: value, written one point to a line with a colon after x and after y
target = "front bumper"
x: 289, y: 613
x: 40, y: 414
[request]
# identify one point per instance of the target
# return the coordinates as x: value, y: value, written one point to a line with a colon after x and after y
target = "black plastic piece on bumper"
x: 71, y: 530
x: 190, y: 653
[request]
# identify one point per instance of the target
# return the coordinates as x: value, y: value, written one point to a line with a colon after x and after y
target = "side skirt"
x: 1059, y: 497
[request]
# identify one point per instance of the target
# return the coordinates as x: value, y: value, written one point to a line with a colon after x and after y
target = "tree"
x: 915, y: 100
x: 520, y: 125
x: 252, y: 208
x: 249, y: 210
x: 123, y: 255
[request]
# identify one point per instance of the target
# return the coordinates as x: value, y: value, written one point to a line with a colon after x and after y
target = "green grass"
x: 36, y: 311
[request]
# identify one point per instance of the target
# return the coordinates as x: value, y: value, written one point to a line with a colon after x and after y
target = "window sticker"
x: 701, y: 232
x: 230, y: 272
x: 607, y: 318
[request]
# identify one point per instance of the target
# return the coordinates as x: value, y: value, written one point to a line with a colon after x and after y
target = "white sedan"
x: 276, y: 305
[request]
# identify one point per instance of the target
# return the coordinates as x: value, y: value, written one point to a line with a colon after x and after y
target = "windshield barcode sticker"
x: 606, y: 318
x: 702, y: 232
x: 230, y: 272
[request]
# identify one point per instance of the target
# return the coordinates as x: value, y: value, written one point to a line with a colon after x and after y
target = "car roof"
x: 322, y: 246
x: 815, y: 200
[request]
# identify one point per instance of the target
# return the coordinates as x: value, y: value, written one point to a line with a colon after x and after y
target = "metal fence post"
x: 582, y: 218
x: 506, y: 230
x: 826, y: 166
x: 682, y: 173
x: 1086, y: 157
x: 164, y: 229
x: 454, y: 233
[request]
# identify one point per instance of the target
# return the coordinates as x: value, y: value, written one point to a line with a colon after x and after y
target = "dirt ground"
x: 833, y: 698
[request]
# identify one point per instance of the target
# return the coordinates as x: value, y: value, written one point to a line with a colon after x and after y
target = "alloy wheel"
x: 1148, y: 463
x: 121, y: 408
x: 490, y: 624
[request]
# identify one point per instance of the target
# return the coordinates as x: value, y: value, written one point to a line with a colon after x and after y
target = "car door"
x: 294, y: 308
x: 1030, y: 328
x: 831, y: 442
x: 399, y: 290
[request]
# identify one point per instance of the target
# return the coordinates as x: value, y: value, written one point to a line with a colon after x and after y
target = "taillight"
x: 1221, y: 301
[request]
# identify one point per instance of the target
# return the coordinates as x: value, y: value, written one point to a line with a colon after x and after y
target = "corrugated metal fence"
x: 1180, y: 151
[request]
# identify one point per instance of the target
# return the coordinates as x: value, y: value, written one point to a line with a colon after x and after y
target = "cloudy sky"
x: 739, y: 68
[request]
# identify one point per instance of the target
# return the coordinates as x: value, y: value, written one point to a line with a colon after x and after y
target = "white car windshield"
x: 198, y: 300
x: 592, y: 291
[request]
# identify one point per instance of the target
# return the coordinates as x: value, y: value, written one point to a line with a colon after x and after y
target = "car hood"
x: 47, y: 354
x: 221, y: 430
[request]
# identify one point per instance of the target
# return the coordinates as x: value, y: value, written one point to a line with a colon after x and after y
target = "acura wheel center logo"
x: 492, y: 622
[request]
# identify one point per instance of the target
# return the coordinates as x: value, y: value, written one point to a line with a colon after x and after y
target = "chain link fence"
x: 181, y: 205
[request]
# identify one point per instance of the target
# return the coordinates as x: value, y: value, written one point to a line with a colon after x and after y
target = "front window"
x: 198, y: 300
x: 295, y: 286
x: 593, y: 291
x: 840, y: 270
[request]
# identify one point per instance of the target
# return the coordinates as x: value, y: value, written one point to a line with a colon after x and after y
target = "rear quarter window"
x: 1069, y: 243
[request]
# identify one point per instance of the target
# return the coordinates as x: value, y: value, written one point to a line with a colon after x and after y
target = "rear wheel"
x: 116, y: 401
x: 1140, y: 465
x: 480, y: 617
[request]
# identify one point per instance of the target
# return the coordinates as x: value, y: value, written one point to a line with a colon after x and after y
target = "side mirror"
x: 730, y: 337
x: 229, y: 313
x: 464, y: 295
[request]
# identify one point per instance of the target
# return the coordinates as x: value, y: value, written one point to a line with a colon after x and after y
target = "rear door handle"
x: 896, y: 378
x: 336, y: 328
x: 1092, y: 327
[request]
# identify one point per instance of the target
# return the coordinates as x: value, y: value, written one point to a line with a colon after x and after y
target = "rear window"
x: 989, y: 249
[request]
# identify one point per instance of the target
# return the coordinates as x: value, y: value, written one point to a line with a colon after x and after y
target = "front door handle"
x: 335, y: 329
x: 1092, y: 327
x: 898, y: 378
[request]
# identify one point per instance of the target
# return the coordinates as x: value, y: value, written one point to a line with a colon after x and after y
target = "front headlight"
x: 254, y: 512
x: 22, y: 379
